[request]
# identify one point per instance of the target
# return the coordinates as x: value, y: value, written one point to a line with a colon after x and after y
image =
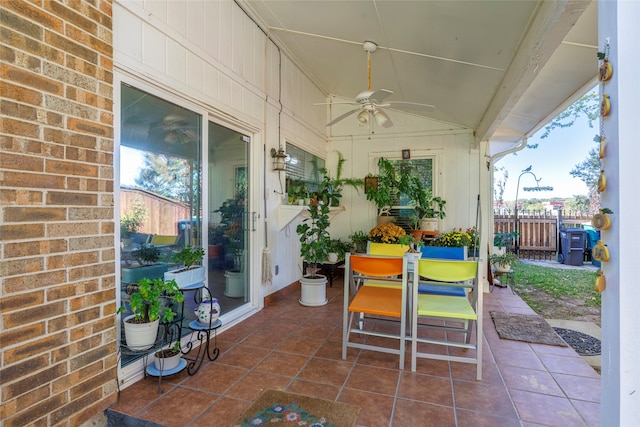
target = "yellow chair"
x: 453, y: 314
x: 385, y: 249
x: 387, y: 304
x: 166, y: 244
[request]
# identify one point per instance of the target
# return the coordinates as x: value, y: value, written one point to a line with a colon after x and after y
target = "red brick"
x: 23, y: 368
x: 70, y: 138
x: 21, y: 197
x: 89, y: 357
x: 33, y: 281
x: 28, y: 349
x: 90, y: 300
x: 75, y: 406
x: 29, y: 416
x: 16, y: 335
x: 34, y: 214
x: 71, y: 260
x: 35, y: 14
x: 21, y: 128
x: 20, y: 266
x: 97, y: 270
x: 32, y: 180
x: 72, y: 229
x: 20, y: 111
x: 71, y: 199
x: 21, y: 25
x: 83, y: 244
x: 70, y: 46
x: 31, y: 398
x: 70, y: 168
x: 89, y: 40
x: 89, y: 127
x: 77, y: 376
x: 93, y: 383
x: 20, y: 162
x: 31, y: 79
x: 20, y: 42
x: 9, y: 55
x: 71, y: 16
x: 21, y: 94
x: 20, y: 301
x: 40, y: 247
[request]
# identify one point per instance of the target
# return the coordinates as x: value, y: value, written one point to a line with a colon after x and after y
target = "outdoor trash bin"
x: 572, y: 244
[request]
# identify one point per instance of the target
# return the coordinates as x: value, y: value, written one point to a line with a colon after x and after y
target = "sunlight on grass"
x: 557, y: 283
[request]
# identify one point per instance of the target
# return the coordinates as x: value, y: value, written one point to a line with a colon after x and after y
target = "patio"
x: 295, y: 348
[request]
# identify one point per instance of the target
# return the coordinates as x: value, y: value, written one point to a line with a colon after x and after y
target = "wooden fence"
x: 538, y: 237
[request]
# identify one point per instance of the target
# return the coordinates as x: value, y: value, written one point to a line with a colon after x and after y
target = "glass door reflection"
x: 228, y: 227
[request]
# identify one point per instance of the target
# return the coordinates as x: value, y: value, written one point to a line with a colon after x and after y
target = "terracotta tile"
x: 426, y: 388
x: 254, y: 383
x: 243, y: 356
x: 333, y: 350
x: 568, y: 365
x: 215, y: 378
x: 280, y: 363
x: 258, y: 339
x: 467, y: 372
x: 222, y: 413
x: 178, y: 407
x: 475, y: 419
x: 135, y: 397
x: 375, y: 409
x: 579, y: 388
x: 530, y: 380
x: 373, y: 379
x: 309, y: 388
x: 300, y: 345
x: 521, y: 359
x: 411, y: 413
x: 545, y: 409
x: 438, y: 368
x: 554, y: 349
x: 326, y: 371
x: 479, y: 397
x: 589, y: 411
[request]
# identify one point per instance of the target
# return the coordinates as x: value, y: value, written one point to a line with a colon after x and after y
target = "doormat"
x: 288, y: 409
x: 583, y: 344
x: 530, y: 328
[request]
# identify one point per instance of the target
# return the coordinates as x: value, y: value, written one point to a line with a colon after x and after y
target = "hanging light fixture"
x: 363, y: 117
x: 381, y: 118
x: 279, y: 159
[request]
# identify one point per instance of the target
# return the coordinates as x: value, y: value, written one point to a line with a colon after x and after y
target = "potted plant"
x: 151, y: 302
x: 339, y: 182
x: 315, y: 244
x: 381, y: 189
x: 231, y: 215
x: 147, y: 256
x: 453, y: 244
x: 503, y: 262
x: 337, y: 249
x: 359, y: 240
x: 168, y: 359
x: 215, y: 250
x: 190, y: 273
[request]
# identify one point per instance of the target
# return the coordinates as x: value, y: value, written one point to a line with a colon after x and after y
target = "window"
x: 304, y: 172
x: 423, y: 169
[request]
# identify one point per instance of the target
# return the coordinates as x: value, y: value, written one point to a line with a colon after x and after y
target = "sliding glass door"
x: 229, y: 219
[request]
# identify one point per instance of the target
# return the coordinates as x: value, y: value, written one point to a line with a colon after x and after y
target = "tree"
x: 578, y: 203
x: 500, y: 183
x: 167, y: 176
x: 586, y: 105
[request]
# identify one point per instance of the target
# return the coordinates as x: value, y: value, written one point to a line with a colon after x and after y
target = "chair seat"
x: 445, y: 306
x: 377, y: 300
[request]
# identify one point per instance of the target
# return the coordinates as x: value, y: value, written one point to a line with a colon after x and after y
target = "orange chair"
x: 387, y: 304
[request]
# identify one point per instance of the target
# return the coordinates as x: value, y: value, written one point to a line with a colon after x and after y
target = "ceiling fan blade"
x: 380, y: 95
x: 414, y: 105
x: 335, y: 103
x: 381, y: 118
x: 341, y: 117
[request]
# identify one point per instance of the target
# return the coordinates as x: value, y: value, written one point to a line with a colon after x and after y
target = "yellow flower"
x: 386, y: 233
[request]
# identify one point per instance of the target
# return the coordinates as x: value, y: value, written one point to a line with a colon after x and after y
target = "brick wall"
x: 57, y: 298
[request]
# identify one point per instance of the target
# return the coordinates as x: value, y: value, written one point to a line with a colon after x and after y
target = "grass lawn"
x: 557, y: 293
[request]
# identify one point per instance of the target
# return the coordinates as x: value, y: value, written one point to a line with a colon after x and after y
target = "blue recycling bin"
x: 572, y: 246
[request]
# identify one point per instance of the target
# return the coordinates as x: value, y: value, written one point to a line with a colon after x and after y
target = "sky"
x: 551, y: 162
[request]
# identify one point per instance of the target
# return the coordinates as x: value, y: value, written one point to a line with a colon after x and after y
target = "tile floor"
x: 291, y: 347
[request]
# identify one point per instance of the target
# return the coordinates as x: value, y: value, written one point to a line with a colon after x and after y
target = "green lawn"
x: 558, y: 284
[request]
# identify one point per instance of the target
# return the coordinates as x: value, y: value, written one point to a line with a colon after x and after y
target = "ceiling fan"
x: 370, y: 102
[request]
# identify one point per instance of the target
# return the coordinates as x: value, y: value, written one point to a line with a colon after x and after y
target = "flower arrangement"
x: 455, y: 238
x: 386, y: 233
x: 474, y: 235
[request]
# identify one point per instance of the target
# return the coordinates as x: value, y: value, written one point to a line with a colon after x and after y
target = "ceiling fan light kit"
x: 370, y: 102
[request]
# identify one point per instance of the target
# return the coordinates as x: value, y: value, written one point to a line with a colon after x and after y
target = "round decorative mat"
x: 583, y: 344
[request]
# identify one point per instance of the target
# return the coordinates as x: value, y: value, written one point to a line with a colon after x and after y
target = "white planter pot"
x: 503, y: 268
x: 140, y: 336
x: 234, y: 284
x: 166, y: 363
x: 313, y: 291
x: 332, y: 257
x: 184, y: 277
x: 429, y: 224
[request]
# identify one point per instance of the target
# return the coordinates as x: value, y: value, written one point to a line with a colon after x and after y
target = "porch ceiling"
x: 501, y: 68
